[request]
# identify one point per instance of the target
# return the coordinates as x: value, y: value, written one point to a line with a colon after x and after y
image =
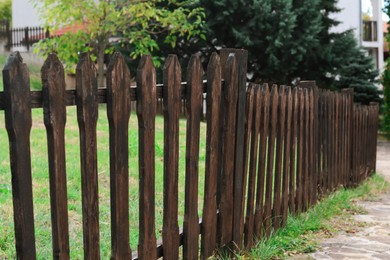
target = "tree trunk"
x: 100, y: 61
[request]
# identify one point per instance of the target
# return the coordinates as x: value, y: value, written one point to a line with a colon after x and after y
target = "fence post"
x: 27, y: 42
x: 375, y: 133
x: 239, y: 183
x: 349, y: 107
x: 314, y: 161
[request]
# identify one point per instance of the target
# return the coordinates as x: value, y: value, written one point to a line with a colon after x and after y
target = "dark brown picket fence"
x: 270, y: 150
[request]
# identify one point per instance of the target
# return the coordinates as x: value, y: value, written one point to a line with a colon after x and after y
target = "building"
x: 24, y: 14
x: 364, y: 17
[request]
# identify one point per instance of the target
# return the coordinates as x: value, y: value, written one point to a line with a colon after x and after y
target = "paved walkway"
x: 372, y: 239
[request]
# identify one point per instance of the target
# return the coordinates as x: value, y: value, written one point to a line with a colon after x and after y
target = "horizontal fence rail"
x: 270, y: 150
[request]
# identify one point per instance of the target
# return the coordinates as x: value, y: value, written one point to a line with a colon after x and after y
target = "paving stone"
x: 371, y: 241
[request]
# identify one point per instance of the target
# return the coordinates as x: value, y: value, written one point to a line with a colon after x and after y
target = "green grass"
x: 41, y: 183
x: 302, y: 232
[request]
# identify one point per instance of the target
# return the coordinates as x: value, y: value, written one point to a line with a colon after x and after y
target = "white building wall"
x: 24, y: 14
x: 349, y: 17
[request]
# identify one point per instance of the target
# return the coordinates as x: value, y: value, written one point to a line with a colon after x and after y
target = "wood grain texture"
x: 293, y: 151
x: 18, y: 124
x: 118, y: 113
x: 230, y: 95
x: 146, y: 113
x: 300, y: 151
x: 277, y: 205
x: 194, y: 112
x: 287, y: 163
x: 54, y: 109
x: 261, y: 171
x: 247, y: 137
x: 270, y: 160
x: 209, y: 219
x: 171, y: 100
x: 239, y: 180
x: 254, y: 107
x: 87, y: 115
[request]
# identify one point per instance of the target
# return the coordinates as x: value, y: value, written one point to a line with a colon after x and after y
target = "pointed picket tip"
x: 117, y: 62
x: 118, y: 71
x: 194, y: 66
x: 214, y: 61
x: 172, y: 77
x: 172, y: 62
x: 51, y: 61
x: 274, y: 91
x: 14, y: 60
x: 85, y: 62
x: 146, y: 64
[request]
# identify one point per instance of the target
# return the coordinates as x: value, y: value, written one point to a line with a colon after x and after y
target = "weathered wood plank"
x: 306, y: 164
x: 270, y: 160
x: 87, y: 115
x: 293, y: 151
x: 194, y: 109
x: 18, y: 124
x: 300, y: 152
x: 53, y: 95
x: 261, y: 172
x: 277, y: 206
x: 230, y: 95
x: 146, y: 113
x: 118, y: 113
x: 209, y: 224
x: 253, y: 125
x: 171, y: 101
x: 287, y: 164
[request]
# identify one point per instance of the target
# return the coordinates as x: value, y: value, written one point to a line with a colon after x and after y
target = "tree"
x: 137, y: 23
x: 386, y: 82
x: 6, y: 10
x: 261, y: 27
x: 355, y: 69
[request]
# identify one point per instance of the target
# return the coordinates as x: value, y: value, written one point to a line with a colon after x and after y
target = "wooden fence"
x: 270, y: 150
x: 25, y: 37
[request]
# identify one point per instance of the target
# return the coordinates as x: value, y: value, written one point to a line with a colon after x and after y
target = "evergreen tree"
x: 264, y: 28
x: 355, y: 69
x: 386, y: 82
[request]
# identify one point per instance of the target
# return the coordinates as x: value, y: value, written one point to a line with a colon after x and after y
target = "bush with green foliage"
x: 135, y: 23
x: 6, y: 10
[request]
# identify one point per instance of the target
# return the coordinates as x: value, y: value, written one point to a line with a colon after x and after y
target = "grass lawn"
x: 41, y: 183
x: 334, y: 213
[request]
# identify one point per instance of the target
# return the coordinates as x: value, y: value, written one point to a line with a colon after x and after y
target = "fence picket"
x: 293, y: 151
x: 287, y: 164
x: 270, y: 160
x: 306, y: 162
x: 87, y: 115
x: 194, y: 109
x: 209, y: 221
x: 53, y: 95
x: 277, y: 206
x: 18, y: 123
x: 253, y: 124
x: 230, y: 95
x: 118, y: 113
x: 146, y: 113
x: 172, y: 103
x: 261, y: 172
